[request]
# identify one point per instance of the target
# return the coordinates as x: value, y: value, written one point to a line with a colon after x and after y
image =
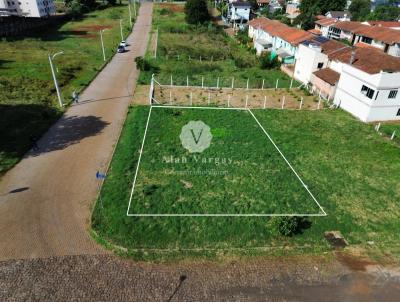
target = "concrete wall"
x: 320, y: 86
x: 307, y: 62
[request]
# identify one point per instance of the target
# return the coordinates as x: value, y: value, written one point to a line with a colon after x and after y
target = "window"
x: 366, y: 40
x: 320, y: 65
x: 392, y: 94
x: 368, y: 92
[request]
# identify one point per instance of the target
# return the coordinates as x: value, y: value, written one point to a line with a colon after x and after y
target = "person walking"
x: 75, y: 97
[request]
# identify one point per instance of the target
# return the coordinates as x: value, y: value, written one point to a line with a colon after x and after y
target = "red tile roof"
x: 368, y: 59
x: 328, y: 75
x: 384, y: 23
x: 326, y: 21
x: 275, y: 28
x: 315, y: 31
x: 379, y: 33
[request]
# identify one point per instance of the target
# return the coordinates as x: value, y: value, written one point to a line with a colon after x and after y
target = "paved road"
x: 45, y: 200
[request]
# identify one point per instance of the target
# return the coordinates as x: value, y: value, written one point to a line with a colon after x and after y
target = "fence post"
x: 393, y: 134
x: 229, y: 99
x: 301, y: 103
x: 291, y: 84
x: 247, y: 100
x: 262, y: 87
x: 377, y: 127
x: 276, y: 85
x: 247, y: 86
x: 171, y: 80
x: 283, y: 102
x: 202, y: 82
x: 217, y: 82
x: 265, y: 101
x: 170, y: 97
x: 151, y: 89
x: 233, y: 81
x: 209, y: 98
x: 187, y: 81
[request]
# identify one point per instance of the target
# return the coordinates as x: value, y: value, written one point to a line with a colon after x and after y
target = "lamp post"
x: 51, y: 58
x: 102, y: 42
x: 120, y: 26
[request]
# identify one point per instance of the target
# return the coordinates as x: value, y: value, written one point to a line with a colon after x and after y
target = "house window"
x: 368, y: 92
x: 392, y: 94
x: 366, y: 40
x: 320, y: 65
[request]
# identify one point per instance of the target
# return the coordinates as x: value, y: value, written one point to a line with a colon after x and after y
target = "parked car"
x: 120, y: 49
x: 123, y: 43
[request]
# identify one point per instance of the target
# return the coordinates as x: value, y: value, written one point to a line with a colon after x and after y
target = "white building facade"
x: 28, y: 8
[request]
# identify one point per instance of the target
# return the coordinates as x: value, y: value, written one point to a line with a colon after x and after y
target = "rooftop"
x: 328, y: 75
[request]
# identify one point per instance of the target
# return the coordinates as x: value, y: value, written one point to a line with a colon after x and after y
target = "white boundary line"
x: 219, y: 215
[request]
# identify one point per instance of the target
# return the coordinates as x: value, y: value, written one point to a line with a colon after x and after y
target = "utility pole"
x: 102, y: 43
x: 120, y: 26
x: 51, y: 58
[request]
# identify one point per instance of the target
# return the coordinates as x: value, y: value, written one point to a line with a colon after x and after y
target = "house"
x: 292, y: 10
x: 362, y: 80
x: 239, y: 12
x: 27, y: 8
x: 322, y: 25
x: 276, y: 37
x: 339, y: 15
x: 274, y: 5
x: 262, y: 3
x: 383, y: 38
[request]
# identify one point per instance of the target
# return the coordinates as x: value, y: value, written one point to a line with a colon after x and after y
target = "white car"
x: 123, y: 43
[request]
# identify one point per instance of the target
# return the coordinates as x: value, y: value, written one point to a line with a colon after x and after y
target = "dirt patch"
x: 227, y: 97
x: 336, y: 239
x: 141, y: 96
x: 353, y: 262
x: 176, y: 8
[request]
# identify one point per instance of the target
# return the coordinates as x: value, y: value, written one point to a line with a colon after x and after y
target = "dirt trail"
x: 45, y: 200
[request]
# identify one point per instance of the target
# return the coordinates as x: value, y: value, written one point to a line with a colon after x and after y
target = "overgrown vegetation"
x: 202, y: 51
x: 28, y: 102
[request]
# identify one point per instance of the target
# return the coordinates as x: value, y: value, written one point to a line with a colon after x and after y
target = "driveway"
x: 46, y: 200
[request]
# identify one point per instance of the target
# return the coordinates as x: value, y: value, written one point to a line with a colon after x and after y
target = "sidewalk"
x: 46, y: 200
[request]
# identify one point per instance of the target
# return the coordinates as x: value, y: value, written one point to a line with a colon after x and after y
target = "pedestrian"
x: 75, y: 97
x: 33, y: 140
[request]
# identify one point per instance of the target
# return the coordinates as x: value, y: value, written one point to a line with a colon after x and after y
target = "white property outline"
x: 220, y: 215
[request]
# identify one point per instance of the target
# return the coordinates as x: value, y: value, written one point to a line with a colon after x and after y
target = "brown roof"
x: 326, y: 21
x: 384, y: 23
x: 275, y: 28
x: 379, y: 33
x: 315, y: 31
x: 328, y: 75
x: 368, y: 59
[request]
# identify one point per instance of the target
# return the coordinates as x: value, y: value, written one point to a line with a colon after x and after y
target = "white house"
x: 276, y: 37
x: 339, y: 15
x: 370, y: 89
x: 27, y: 8
x: 239, y: 11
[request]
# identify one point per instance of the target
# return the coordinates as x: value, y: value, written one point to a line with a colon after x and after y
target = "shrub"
x: 144, y: 65
x: 269, y: 62
x: 291, y: 225
x: 196, y: 12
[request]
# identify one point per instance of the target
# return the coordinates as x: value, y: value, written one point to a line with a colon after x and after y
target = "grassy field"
x: 240, y: 173
x: 352, y: 171
x: 184, y: 50
x: 28, y: 103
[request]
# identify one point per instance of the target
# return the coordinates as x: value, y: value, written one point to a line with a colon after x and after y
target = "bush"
x: 269, y: 62
x: 291, y: 225
x: 197, y: 12
x: 144, y: 65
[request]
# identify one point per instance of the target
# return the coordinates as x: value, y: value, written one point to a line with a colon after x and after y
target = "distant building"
x: 27, y: 8
x: 362, y: 81
x: 292, y: 10
x: 239, y: 11
x: 339, y: 15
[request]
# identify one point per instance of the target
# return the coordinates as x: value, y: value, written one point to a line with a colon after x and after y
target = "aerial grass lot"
x: 351, y: 170
x: 28, y: 102
x: 201, y: 51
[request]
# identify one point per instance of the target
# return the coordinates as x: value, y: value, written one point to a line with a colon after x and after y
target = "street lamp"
x: 120, y: 26
x: 51, y: 58
x: 102, y: 43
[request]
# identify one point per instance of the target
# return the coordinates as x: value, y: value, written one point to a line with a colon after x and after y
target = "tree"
x: 385, y: 13
x: 196, y: 12
x: 359, y: 9
x: 310, y: 8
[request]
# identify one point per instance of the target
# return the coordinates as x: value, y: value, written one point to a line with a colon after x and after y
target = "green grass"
x: 28, y: 102
x: 222, y: 56
x: 351, y: 170
x: 388, y: 128
x: 240, y: 173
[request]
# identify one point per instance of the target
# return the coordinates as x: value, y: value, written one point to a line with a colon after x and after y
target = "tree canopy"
x: 360, y: 9
x: 197, y: 12
x: 310, y: 8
